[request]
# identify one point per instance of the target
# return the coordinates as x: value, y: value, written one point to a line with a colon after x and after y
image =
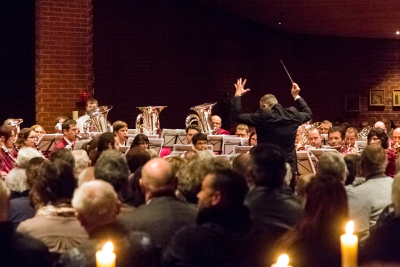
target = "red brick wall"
x: 63, y: 57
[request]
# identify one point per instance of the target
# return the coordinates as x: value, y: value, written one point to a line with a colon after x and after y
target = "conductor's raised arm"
x: 305, y: 113
x: 236, y: 106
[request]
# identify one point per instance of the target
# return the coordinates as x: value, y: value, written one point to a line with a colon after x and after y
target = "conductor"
x: 274, y: 124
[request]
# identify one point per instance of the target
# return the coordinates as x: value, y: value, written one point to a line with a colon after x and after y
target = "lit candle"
x: 74, y: 115
x: 283, y: 261
x: 349, y: 246
x: 106, y: 257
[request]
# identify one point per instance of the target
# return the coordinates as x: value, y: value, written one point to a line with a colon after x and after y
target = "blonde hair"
x: 269, y: 100
x: 243, y: 127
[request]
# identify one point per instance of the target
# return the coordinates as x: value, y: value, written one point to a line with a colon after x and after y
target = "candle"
x: 349, y: 246
x: 106, y: 257
x: 74, y: 115
x: 283, y: 261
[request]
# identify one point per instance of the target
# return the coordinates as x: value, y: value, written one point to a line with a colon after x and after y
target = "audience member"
x: 63, y: 154
x: 332, y: 164
x: 137, y: 157
x: 302, y: 184
x: 32, y: 177
x: 81, y: 160
x: 25, y: 154
x: 353, y: 165
x: 86, y: 175
x: 367, y: 201
x: 107, y: 140
x: 377, y: 137
x: 17, y: 250
x: 91, y: 149
x: 163, y: 213
x: 242, y: 164
x: 200, y: 141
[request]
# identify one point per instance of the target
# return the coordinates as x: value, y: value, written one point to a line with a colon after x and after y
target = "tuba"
x: 203, y: 117
x: 150, y: 116
x: 98, y: 120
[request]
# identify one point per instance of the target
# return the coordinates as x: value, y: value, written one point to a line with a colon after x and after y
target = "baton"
x: 286, y: 71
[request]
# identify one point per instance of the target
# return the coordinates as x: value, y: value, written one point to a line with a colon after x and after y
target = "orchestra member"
x: 350, y: 140
x: 216, y: 123
x: 389, y: 126
x: 200, y: 141
x: 15, y: 123
x: 9, y: 152
x: 90, y: 104
x: 314, y: 138
x: 59, y: 121
x: 378, y: 137
x: 141, y: 140
x: 39, y: 130
x: 190, y: 131
x: 336, y: 139
x: 120, y: 129
x: 381, y: 124
x: 242, y: 130
x: 396, y: 136
x: 253, y: 139
x: 273, y: 123
x: 26, y: 138
x: 70, y: 131
x: 325, y: 126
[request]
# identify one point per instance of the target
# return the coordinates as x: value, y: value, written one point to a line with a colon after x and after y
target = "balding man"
x: 314, y: 138
x: 381, y: 124
x: 396, y: 135
x: 216, y: 123
x: 163, y: 213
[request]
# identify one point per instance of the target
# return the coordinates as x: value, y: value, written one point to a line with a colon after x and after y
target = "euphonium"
x: 98, y: 120
x: 203, y: 117
x: 364, y: 132
x: 150, y: 117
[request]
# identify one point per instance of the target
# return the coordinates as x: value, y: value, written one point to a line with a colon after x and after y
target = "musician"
x: 381, y: 125
x: 314, y: 138
x: 141, y: 140
x: 59, y: 121
x: 120, y: 129
x: 200, y: 141
x: 26, y: 138
x: 39, y: 130
x: 70, y: 131
x: 389, y: 126
x: 9, y: 152
x: 253, y: 139
x: 325, y: 126
x: 350, y: 140
x: 15, y: 123
x: 216, y: 123
x: 274, y: 124
x: 378, y: 137
x: 336, y: 139
x: 90, y: 104
x: 396, y: 135
x: 190, y: 131
x: 242, y: 130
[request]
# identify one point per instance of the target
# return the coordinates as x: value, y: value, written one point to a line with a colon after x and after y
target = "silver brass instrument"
x: 98, y: 120
x: 150, y: 117
x: 364, y: 132
x: 203, y: 117
x: 15, y: 123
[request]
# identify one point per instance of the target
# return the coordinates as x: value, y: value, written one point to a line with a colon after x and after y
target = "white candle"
x: 106, y: 257
x: 349, y: 246
x: 283, y: 261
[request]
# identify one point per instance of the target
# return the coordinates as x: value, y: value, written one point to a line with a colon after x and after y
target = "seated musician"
x: 39, y: 130
x: 350, y: 140
x: 325, y: 127
x: 141, y: 140
x: 59, y: 121
x: 190, y: 131
x: 378, y: 137
x: 70, y: 131
x: 336, y: 139
x: 314, y: 138
x: 216, y: 123
x: 380, y: 124
x: 120, y: 128
x: 253, y: 139
x: 200, y: 141
x: 90, y: 104
x: 242, y: 130
x: 9, y: 152
x: 26, y: 138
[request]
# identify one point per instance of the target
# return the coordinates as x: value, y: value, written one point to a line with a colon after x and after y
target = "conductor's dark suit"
x: 277, y: 125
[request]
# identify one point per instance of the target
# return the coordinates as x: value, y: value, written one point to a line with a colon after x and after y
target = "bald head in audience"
x: 157, y: 178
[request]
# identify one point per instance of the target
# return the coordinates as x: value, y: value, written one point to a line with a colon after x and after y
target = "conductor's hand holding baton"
x: 295, y: 91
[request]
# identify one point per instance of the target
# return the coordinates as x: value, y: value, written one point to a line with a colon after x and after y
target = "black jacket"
x: 277, y: 125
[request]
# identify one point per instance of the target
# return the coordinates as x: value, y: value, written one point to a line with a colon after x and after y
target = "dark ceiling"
x: 351, y: 18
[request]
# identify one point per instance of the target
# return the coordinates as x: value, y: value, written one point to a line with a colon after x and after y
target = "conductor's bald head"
x: 157, y: 178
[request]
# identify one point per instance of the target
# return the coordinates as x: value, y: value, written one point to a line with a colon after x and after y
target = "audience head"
x: 336, y: 136
x: 242, y: 130
x: 224, y: 189
x: 268, y: 165
x: 353, y: 164
x: 70, y: 130
x: 216, y: 122
x: 4, y: 201
x: 39, y: 130
x: 332, y: 165
x: 302, y: 184
x: 96, y: 204
x: 351, y: 136
x: 86, y: 175
x: 26, y: 138
x: 141, y: 140
x: 107, y: 140
x: 120, y: 129
x: 91, y: 104
x: 325, y: 127
x: 268, y: 101
x: 242, y: 164
x: 63, y: 154
x: 158, y: 179
x: 253, y: 139
x: 373, y: 161
x: 7, y: 136
x: 378, y: 137
x: 81, y: 161
x: 396, y: 135
x: 314, y: 137
x: 190, y: 131
x: 16, y: 180
x: 396, y: 194
x: 200, y: 141
x: 137, y: 157
x: 111, y: 167
x: 25, y: 154
x: 91, y: 149
x: 32, y: 177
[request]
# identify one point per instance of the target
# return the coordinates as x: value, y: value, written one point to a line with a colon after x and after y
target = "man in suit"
x: 273, y: 123
x: 70, y: 131
x: 163, y: 214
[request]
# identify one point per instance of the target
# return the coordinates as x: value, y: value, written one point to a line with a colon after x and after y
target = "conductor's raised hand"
x: 295, y: 90
x: 240, y: 87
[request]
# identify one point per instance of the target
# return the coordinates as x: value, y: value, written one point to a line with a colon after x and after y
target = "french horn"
x: 150, y: 117
x: 203, y: 117
x: 15, y: 123
x: 98, y: 120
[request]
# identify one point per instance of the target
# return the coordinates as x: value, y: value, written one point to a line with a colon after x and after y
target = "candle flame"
x: 108, y: 248
x: 350, y: 228
x: 283, y: 260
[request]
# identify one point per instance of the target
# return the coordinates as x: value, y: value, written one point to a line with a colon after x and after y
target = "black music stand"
x: 47, y: 142
x: 305, y: 164
x: 216, y: 142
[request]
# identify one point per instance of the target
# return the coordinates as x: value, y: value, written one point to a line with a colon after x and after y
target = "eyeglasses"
x: 34, y: 137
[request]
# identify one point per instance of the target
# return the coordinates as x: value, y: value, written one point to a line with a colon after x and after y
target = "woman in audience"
x: 9, y: 152
x: 315, y: 240
x: 302, y: 184
x: 55, y: 223
x: 253, y: 139
x: 26, y: 138
x: 32, y: 177
x: 378, y: 137
x: 39, y: 130
x: 141, y: 140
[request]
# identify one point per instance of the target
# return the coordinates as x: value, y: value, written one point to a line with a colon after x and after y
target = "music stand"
x: 170, y: 136
x: 216, y: 142
x: 130, y: 141
x: 183, y: 148
x: 305, y: 164
x: 319, y: 152
x: 79, y: 144
x: 181, y: 139
x: 244, y: 142
x: 241, y: 149
x: 360, y: 146
x: 228, y: 144
x: 131, y: 131
x: 156, y: 144
x: 124, y: 149
x: 153, y: 136
x: 47, y: 142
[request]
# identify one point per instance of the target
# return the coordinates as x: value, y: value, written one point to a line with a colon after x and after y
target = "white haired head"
x: 25, y: 154
x: 16, y: 180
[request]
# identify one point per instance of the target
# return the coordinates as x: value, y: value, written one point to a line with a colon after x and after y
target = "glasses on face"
x: 34, y: 137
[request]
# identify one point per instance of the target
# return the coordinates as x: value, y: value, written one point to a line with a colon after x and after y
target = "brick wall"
x: 63, y: 57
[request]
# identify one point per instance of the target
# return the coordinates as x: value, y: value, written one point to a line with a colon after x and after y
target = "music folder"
x: 156, y: 144
x: 229, y: 142
x: 305, y: 163
x: 131, y: 131
x: 47, y: 142
x: 124, y: 149
x: 241, y: 149
x: 79, y: 144
x: 319, y: 152
x: 216, y: 142
x: 183, y: 148
x: 360, y: 146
